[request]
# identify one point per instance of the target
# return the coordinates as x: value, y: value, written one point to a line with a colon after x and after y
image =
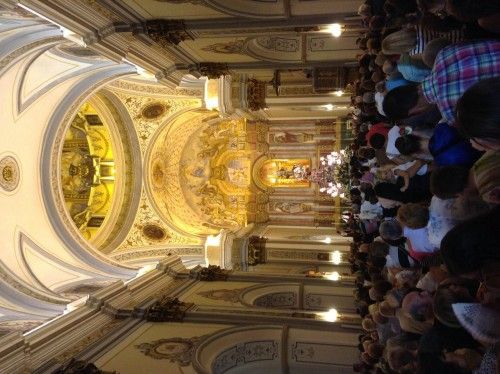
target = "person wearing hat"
x: 481, y: 321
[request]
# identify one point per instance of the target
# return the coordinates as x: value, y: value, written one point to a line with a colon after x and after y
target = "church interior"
x: 178, y: 189
x: 159, y: 214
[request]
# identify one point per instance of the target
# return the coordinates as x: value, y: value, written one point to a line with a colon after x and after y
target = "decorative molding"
x: 312, y: 301
x: 24, y: 103
x: 228, y: 295
x: 256, y: 94
x: 18, y: 285
x: 167, y: 32
x: 211, y: 273
x: 10, y: 174
x: 211, y: 70
x: 6, y: 61
x: 129, y: 87
x: 297, y: 254
x: 230, y: 47
x: 177, y: 350
x: 26, y: 244
x: 146, y: 215
x: 80, y: 367
x: 137, y: 254
x: 242, y: 354
x: 125, y: 207
x: 146, y: 127
x: 49, y: 170
x: 103, y: 10
x: 168, y: 309
x: 7, y: 327
x: 277, y: 300
x: 88, y: 341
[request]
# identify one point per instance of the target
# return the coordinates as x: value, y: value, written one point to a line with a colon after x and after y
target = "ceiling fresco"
x: 199, y: 173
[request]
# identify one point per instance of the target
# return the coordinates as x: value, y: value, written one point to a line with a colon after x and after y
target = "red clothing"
x: 415, y: 254
x: 378, y: 128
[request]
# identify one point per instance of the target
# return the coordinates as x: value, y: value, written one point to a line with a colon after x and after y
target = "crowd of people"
x: 425, y: 186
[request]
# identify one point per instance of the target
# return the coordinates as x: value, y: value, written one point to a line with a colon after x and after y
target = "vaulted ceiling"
x: 105, y: 169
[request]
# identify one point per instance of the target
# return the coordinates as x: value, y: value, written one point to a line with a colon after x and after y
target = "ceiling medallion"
x: 154, y: 110
x: 154, y: 232
x: 158, y: 172
x: 10, y: 175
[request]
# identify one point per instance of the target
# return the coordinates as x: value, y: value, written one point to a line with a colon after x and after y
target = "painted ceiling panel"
x: 49, y: 272
x: 45, y: 69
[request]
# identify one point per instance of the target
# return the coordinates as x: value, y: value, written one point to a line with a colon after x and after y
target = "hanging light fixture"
x: 324, y: 176
x: 335, y: 29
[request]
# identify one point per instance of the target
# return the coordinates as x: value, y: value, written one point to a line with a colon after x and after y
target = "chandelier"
x: 326, y: 175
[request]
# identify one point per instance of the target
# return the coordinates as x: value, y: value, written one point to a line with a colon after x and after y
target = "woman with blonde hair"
x: 390, y: 173
x: 414, y: 40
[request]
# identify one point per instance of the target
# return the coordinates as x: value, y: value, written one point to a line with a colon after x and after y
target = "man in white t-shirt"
x: 444, y: 214
x: 419, y: 240
x: 370, y: 211
x: 393, y: 259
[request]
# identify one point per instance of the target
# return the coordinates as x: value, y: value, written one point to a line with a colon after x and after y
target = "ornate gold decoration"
x: 10, y: 173
x: 167, y: 32
x: 147, y: 89
x: 285, y: 137
x: 223, y: 294
x: 80, y: 367
x: 88, y: 171
x: 158, y: 253
x: 199, y: 173
x: 136, y: 104
x: 176, y: 350
x: 291, y: 90
x: 231, y: 47
x: 285, y: 173
x: 103, y: 10
x: 87, y: 341
x: 167, y: 309
x: 7, y: 327
x: 136, y: 237
x: 210, y: 274
x: 212, y: 70
x: 256, y: 94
